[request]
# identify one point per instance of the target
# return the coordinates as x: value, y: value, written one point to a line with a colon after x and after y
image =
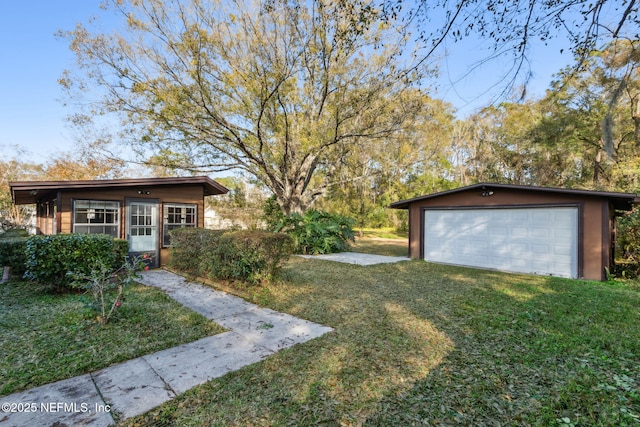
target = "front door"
x: 142, y: 231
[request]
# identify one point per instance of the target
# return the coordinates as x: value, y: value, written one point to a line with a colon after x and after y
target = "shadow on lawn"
x: 529, y: 351
x: 422, y: 344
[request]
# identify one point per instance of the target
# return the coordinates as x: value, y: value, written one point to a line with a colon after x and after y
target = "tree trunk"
x: 635, y: 116
x: 597, y: 168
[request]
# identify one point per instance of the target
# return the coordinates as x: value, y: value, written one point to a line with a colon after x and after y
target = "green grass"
x: 48, y: 337
x: 423, y: 344
x: 380, y: 246
x: 381, y: 233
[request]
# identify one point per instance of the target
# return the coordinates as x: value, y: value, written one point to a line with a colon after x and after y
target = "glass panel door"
x: 143, y: 229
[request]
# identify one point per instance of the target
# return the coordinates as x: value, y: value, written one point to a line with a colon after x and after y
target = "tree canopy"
x: 327, y: 99
x: 280, y: 89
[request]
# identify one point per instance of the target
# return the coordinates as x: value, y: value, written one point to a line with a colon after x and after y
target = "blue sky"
x: 33, y: 117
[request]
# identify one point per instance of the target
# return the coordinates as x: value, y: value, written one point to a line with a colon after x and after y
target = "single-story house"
x: 143, y: 210
x: 516, y: 228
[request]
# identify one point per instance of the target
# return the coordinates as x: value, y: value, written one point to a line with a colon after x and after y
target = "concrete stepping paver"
x: 211, y: 357
x: 134, y: 387
x: 71, y: 402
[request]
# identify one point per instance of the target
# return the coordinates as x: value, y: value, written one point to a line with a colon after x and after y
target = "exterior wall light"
x: 486, y: 192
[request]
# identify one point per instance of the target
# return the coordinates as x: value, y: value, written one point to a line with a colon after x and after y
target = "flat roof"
x: 621, y: 201
x: 28, y: 192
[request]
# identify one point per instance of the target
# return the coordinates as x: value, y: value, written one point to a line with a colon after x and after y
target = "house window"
x: 96, y: 217
x: 177, y: 216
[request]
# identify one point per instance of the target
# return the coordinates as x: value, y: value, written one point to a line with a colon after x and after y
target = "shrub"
x: 190, y: 248
x: 272, y: 213
x: 317, y: 232
x: 12, y: 254
x: 629, y: 236
x: 52, y: 259
x: 105, y: 284
x: 252, y: 256
x: 628, y: 246
x: 121, y: 250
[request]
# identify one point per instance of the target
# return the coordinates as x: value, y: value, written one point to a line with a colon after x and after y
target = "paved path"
x: 138, y: 385
x: 358, y: 258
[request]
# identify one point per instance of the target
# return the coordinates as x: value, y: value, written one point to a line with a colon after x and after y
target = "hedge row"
x: 49, y: 259
x: 249, y: 255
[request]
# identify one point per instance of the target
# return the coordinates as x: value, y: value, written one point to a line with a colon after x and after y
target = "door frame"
x: 154, y: 261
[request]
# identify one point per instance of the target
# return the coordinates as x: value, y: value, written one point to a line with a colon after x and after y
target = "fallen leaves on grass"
x: 422, y: 344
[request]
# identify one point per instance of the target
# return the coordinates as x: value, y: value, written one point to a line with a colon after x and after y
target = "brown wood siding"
x: 169, y: 194
x: 593, y: 237
x: 593, y: 233
x: 165, y: 256
x: 183, y: 194
x: 46, y: 217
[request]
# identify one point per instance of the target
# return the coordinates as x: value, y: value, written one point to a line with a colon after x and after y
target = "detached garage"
x: 523, y: 229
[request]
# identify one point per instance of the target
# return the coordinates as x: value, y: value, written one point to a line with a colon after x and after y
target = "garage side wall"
x: 593, y: 221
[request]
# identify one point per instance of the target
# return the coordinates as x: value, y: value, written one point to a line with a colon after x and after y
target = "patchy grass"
x: 379, y: 246
x: 381, y: 233
x: 423, y: 344
x: 47, y: 337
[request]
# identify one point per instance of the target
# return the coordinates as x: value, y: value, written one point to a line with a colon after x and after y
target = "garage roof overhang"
x: 28, y: 192
x: 620, y: 201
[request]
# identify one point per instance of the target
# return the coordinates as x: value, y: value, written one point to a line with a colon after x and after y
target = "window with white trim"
x: 96, y: 217
x: 177, y: 216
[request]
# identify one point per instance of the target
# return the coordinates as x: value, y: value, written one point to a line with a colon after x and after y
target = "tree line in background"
x: 315, y: 98
x: 325, y: 104
x: 584, y: 133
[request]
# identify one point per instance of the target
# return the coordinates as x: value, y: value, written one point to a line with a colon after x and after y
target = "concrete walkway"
x: 138, y: 385
x: 358, y: 258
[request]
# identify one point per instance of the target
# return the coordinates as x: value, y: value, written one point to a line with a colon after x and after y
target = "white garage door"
x: 527, y: 240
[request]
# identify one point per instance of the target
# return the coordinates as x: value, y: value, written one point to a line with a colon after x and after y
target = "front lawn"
x: 48, y: 337
x: 423, y: 344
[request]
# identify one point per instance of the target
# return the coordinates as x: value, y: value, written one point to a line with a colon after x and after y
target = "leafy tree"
x: 580, y: 134
x: 410, y: 163
x: 589, y: 119
x: 281, y: 90
x: 82, y: 163
x: 616, y: 69
x: 242, y: 206
x: 11, y: 169
x: 489, y: 147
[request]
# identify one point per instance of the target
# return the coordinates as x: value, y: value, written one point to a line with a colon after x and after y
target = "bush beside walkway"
x: 252, y: 256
